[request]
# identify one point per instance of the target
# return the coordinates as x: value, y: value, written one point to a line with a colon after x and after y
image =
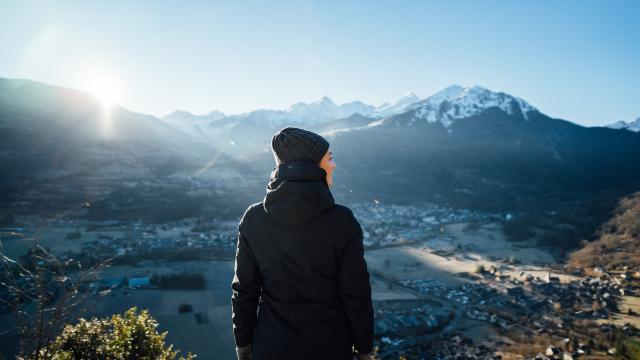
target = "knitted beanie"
x: 292, y: 143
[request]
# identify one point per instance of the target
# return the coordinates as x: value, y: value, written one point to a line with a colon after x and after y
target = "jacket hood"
x: 297, y: 192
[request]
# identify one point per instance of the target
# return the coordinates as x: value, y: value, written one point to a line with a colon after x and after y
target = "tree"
x: 132, y: 336
x: 43, y: 293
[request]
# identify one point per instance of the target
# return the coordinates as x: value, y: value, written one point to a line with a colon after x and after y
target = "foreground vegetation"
x: 129, y: 336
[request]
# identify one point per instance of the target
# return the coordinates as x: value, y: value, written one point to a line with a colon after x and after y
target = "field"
x: 53, y: 237
x: 458, y: 251
x: 206, y: 331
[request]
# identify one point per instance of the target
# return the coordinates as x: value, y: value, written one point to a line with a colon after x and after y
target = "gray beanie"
x: 292, y: 143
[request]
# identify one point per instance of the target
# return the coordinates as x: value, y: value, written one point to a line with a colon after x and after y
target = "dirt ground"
x: 442, y: 258
x: 488, y: 241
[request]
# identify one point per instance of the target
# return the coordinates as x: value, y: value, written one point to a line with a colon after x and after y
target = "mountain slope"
x: 402, y: 105
x: 194, y: 125
x: 474, y: 147
x: 244, y: 134
x: 456, y: 102
x: 59, y: 148
x: 619, y: 242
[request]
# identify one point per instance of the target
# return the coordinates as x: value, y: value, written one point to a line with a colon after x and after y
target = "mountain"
x: 249, y: 133
x: 59, y: 148
x: 463, y: 146
x: 354, y: 121
x: 476, y: 147
x: 194, y: 125
x: 315, y: 113
x: 617, y: 245
x: 456, y: 102
x: 48, y: 121
x: 252, y: 128
x: 402, y: 105
x: 326, y: 110
x: 469, y: 146
x: 245, y: 134
x: 622, y: 125
x: 181, y: 115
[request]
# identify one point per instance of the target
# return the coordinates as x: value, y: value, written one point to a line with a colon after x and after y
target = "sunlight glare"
x: 105, y: 88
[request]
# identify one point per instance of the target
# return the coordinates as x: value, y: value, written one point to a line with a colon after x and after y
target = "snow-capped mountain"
x: 446, y: 106
x: 182, y: 115
x: 400, y: 106
x: 191, y: 124
x: 301, y: 114
x: 623, y: 125
x: 326, y: 110
x: 316, y: 113
x: 456, y: 102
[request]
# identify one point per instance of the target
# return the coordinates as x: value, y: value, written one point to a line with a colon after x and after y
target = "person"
x: 301, y: 288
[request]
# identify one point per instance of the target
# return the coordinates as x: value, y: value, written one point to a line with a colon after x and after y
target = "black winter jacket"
x: 300, y: 265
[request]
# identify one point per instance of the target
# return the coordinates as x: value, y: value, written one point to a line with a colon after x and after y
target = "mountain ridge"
x: 623, y: 125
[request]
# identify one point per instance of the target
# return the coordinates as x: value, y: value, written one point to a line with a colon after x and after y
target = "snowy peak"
x: 326, y: 110
x: 408, y: 98
x: 457, y: 102
x: 324, y: 103
x: 447, y: 94
x: 623, y: 125
x: 445, y: 106
x: 618, y: 125
x: 182, y: 115
x: 194, y: 125
x: 402, y: 105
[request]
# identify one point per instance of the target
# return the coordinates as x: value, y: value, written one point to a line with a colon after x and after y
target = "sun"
x: 105, y: 88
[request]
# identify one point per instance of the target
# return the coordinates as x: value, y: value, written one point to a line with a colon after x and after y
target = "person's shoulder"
x: 250, y: 213
x: 341, y: 209
x: 253, y: 208
x: 343, y: 213
x: 345, y: 224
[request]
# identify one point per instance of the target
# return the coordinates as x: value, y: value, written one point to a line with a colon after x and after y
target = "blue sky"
x: 576, y: 60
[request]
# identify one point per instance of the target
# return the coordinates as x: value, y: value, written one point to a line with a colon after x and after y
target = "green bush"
x: 132, y: 336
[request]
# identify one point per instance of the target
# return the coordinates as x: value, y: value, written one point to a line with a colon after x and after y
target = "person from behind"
x: 301, y: 286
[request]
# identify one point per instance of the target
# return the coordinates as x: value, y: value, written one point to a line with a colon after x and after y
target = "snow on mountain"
x: 617, y: 125
x: 400, y: 106
x: 457, y: 102
x: 181, y: 115
x: 302, y: 114
x: 195, y: 125
x: 273, y: 119
x: 447, y: 105
x: 316, y: 113
x: 326, y: 110
x: 623, y: 125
